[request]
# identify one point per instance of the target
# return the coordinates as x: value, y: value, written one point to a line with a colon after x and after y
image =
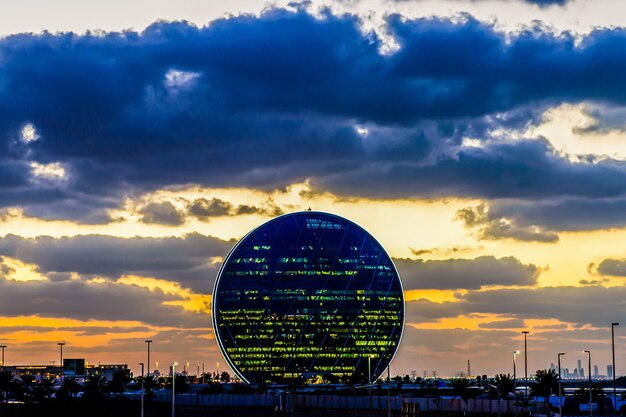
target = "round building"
x: 308, y: 296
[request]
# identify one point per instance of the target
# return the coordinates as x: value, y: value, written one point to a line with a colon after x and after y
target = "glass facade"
x: 308, y: 295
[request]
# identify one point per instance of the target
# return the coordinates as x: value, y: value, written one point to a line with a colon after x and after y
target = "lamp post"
x: 61, y: 344
x: 525, y: 333
x: 173, y: 379
x: 3, y: 347
x: 148, y: 343
x: 515, y: 352
x: 613, y: 353
x: 141, y: 363
x: 589, y: 372
x: 560, y: 403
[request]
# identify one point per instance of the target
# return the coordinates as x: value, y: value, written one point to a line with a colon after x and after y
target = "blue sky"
x: 481, y: 142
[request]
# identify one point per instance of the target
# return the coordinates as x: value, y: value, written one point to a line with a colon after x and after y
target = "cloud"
x: 423, y: 310
x: 465, y: 273
x: 525, y: 169
x: 204, y: 209
x: 612, y: 267
x: 580, y: 306
x: 540, y: 221
x: 265, y: 101
x: 494, y: 227
x: 595, y: 305
x: 186, y: 259
x: 503, y: 324
x: 162, y: 213
x: 547, y: 3
x: 83, y: 300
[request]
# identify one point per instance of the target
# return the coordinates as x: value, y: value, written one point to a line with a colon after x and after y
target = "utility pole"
x: 3, y: 347
x: 141, y: 363
x: 148, y: 343
x: 61, y: 344
x: 613, y: 352
x: 525, y: 333
x: 560, y: 402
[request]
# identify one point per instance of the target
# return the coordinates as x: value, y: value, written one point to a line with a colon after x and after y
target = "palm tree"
x: 547, y: 383
x: 505, y: 384
x: 460, y: 388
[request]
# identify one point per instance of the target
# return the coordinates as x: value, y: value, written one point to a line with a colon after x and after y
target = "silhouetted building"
x: 581, y: 371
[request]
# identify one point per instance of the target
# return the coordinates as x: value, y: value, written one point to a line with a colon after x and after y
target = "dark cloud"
x: 540, y: 3
x: 264, y: 101
x: 185, y: 259
x: 204, y: 209
x: 612, y: 267
x: 162, y: 213
x: 567, y: 214
x: 547, y: 3
x: 6, y: 270
x: 503, y: 324
x: 83, y: 300
x: 494, y: 227
x: 422, y: 310
x: 580, y: 306
x: 540, y: 221
x: 595, y: 305
x: 447, y: 251
x: 420, y: 252
x: 523, y: 169
x: 465, y: 273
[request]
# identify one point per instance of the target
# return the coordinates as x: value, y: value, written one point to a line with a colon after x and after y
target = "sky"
x: 482, y: 142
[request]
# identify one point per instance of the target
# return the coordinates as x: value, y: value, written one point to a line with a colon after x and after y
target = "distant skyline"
x: 482, y: 142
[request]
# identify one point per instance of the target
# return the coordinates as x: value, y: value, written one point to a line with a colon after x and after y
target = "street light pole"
x: 560, y: 403
x: 61, y: 344
x: 148, y: 343
x: 173, y: 379
x: 3, y: 347
x: 613, y: 352
x: 515, y: 352
x: 141, y: 363
x: 525, y: 333
x: 589, y: 371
